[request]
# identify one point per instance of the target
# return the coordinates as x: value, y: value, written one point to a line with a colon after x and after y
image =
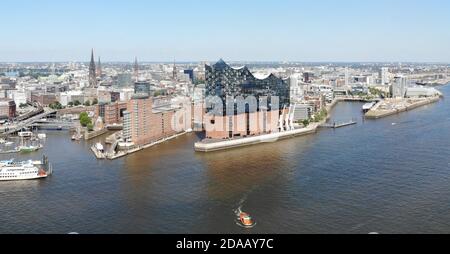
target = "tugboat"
x: 245, y: 220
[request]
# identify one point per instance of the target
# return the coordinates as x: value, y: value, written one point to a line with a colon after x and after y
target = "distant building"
x: 417, y: 92
x: 92, y: 72
x: 7, y: 109
x: 296, y: 90
x: 144, y: 124
x: 222, y: 80
x: 190, y: 72
x: 19, y: 97
x: 142, y: 87
x: 265, y: 115
x: 302, y: 112
x: 111, y: 113
x: 384, y: 75
x: 115, y: 96
x: 124, y: 80
x: 98, y: 71
x: 71, y: 96
x: 307, y: 77
x: 127, y: 127
x: 347, y: 77
x: 43, y: 99
x: 104, y: 97
x: 399, y: 87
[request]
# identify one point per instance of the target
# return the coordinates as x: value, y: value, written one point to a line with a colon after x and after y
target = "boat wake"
x: 405, y: 122
x: 239, y: 215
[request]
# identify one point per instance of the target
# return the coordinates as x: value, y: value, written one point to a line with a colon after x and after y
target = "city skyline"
x: 294, y: 31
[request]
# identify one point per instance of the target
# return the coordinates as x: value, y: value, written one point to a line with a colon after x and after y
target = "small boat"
x: 28, y: 149
x: 25, y: 134
x: 9, y: 143
x: 77, y: 136
x: 245, y: 220
x: 99, y: 147
x: 368, y: 106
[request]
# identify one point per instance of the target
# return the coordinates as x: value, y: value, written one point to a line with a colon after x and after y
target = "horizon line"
x: 238, y: 61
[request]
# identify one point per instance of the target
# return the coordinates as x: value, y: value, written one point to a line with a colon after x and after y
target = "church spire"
x: 99, y: 68
x: 175, y: 76
x: 136, y: 69
x: 92, y: 72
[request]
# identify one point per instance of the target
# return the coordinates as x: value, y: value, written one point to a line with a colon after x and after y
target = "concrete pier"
x: 140, y: 148
x: 376, y: 112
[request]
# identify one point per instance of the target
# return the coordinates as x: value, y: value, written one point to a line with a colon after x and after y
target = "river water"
x: 388, y: 176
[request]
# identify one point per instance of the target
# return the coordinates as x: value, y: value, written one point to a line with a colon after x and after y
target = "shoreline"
x: 269, y: 138
x: 140, y: 148
x: 311, y: 129
x: 261, y: 139
x: 377, y: 114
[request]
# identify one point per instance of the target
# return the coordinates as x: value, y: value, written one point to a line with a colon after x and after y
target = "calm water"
x: 389, y: 176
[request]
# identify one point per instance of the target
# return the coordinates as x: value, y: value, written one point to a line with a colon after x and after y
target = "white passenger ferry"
x: 28, y: 170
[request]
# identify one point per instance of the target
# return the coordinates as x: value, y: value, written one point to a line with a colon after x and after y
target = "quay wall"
x: 376, y: 114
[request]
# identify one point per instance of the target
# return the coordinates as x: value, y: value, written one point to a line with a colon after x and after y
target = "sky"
x: 235, y: 30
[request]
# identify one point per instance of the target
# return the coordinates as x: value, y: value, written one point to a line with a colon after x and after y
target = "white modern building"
x: 385, y: 79
x: 415, y: 92
x: 399, y: 87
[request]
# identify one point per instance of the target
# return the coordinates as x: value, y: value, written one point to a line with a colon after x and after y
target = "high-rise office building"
x: 190, y: 72
x: 385, y: 80
x: 399, y: 87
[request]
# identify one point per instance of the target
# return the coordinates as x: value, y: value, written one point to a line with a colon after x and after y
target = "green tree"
x: 77, y: 103
x: 95, y: 101
x: 85, y: 120
x: 70, y: 104
x: 56, y: 105
x: 87, y: 103
x: 90, y: 127
x: 305, y: 122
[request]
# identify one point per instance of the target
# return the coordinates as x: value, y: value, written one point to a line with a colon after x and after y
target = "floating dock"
x: 338, y: 125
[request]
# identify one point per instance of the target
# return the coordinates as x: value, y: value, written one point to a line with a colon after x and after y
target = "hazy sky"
x: 252, y: 30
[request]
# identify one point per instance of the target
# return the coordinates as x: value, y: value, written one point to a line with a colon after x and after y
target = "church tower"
x: 99, y: 68
x: 92, y: 72
x: 136, y: 69
x: 175, y: 72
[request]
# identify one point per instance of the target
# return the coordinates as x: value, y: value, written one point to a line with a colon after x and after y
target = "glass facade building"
x: 142, y: 87
x: 224, y: 81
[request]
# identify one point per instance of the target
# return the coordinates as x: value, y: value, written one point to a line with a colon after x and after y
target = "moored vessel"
x: 368, y: 106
